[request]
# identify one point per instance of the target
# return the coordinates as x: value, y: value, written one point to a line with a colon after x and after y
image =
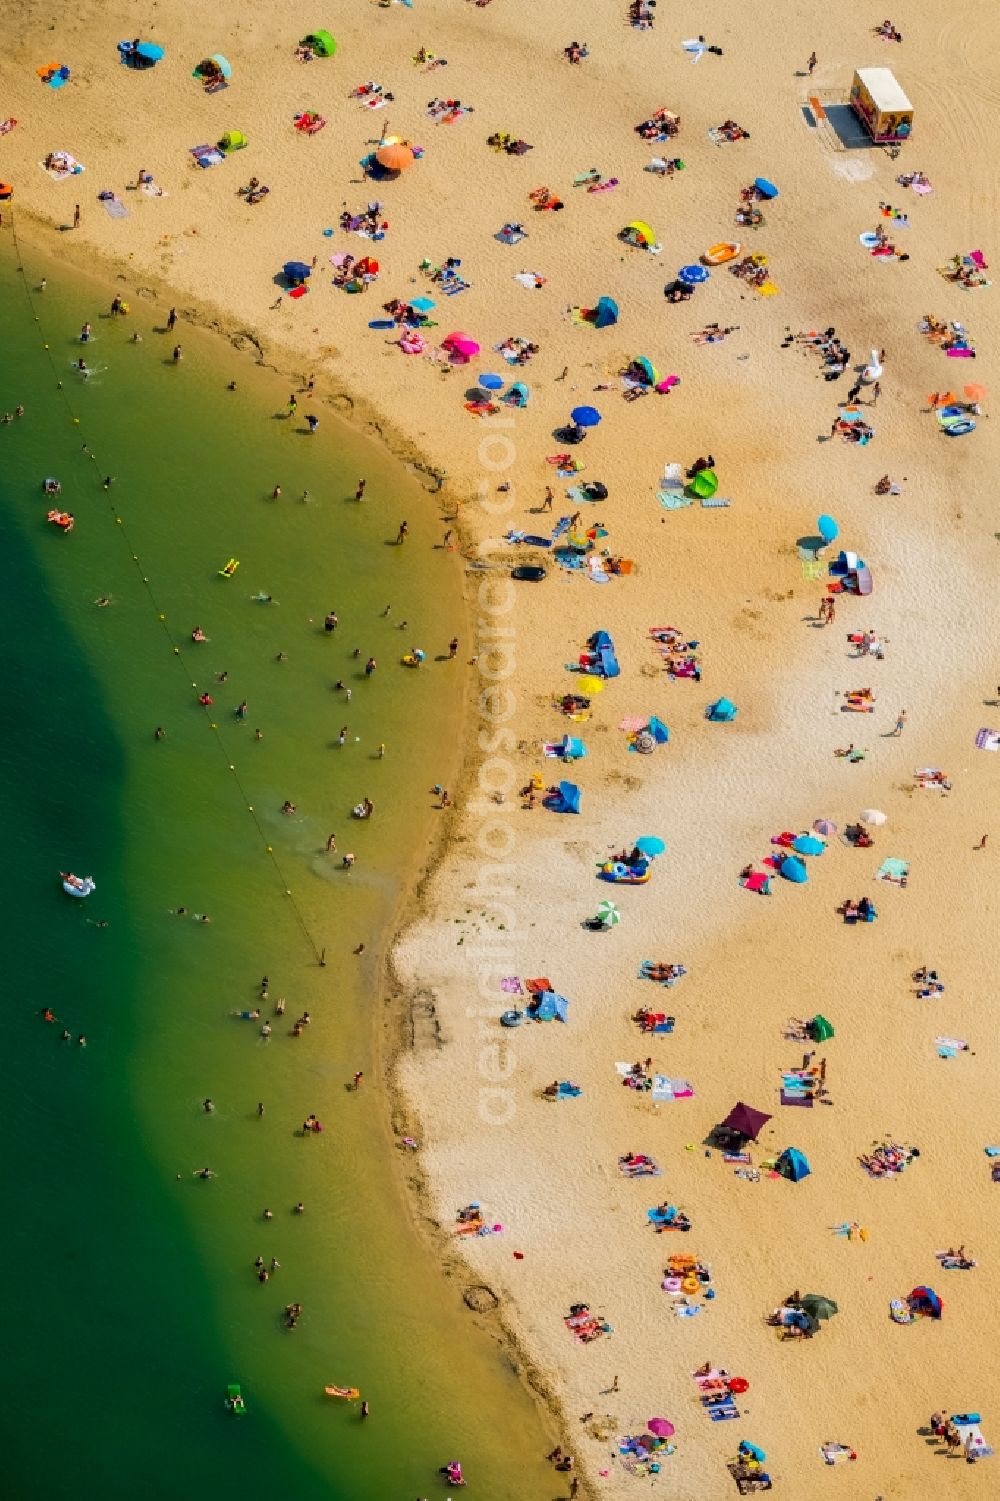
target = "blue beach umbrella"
x: 486, y: 381
x: 765, y: 188
x: 806, y: 844
x: 150, y: 51
x: 692, y: 276
x: 827, y: 528
x: 650, y: 844
x: 296, y: 270
x: 585, y: 416
x: 794, y: 870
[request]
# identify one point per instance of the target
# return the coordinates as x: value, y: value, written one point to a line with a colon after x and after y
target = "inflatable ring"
x: 511, y: 1018
x: 960, y: 428
x: 671, y: 1284
x: 690, y: 1283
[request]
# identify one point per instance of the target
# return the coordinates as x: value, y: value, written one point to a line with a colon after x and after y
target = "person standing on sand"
x: 982, y: 843
x: 549, y: 497
x: 811, y: 64
x: 900, y: 724
x: 171, y: 320
x: 359, y: 493
x: 76, y: 217
x: 403, y: 533
x: 177, y: 354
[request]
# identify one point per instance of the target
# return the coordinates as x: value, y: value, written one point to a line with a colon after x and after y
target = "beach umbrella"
x: 650, y: 844
x: 765, y: 188
x: 827, y: 528
x: 825, y: 826
x: 296, y: 270
x: 872, y: 816
x: 807, y: 845
x: 794, y: 870
x: 585, y: 416
x: 462, y: 345
x: 975, y: 393
x: 488, y: 382
x: 662, y: 1427
x: 149, y: 51
x: 753, y: 1451
x: 692, y: 275
x: 739, y: 1384
x: 608, y: 913
x: 818, y: 1307
x: 745, y: 1121
x: 395, y: 158
x: 647, y: 368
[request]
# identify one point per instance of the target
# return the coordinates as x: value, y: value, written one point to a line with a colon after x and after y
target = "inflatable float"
x: 622, y: 874
x: 413, y: 658
x: 717, y: 255
x: 528, y: 573
x: 228, y: 569
x: 76, y: 885
x: 349, y: 1393
x: 453, y: 1473
x: 62, y: 519
x: 234, y: 1400
x: 361, y: 810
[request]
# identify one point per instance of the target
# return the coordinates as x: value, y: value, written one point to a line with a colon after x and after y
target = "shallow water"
x: 136, y: 1295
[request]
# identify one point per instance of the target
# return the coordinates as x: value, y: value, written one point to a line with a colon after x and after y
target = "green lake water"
x: 131, y: 1294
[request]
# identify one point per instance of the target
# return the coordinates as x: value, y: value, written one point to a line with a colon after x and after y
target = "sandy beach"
x: 515, y: 886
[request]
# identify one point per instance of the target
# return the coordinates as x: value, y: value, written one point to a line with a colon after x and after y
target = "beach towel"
x: 671, y: 1089
x: 988, y: 740
x: 529, y: 279
x: 950, y: 1047
x: 297, y: 292
x: 511, y: 985
x: 68, y: 166
x: 207, y: 156
x: 674, y: 500
x: 893, y: 870
x: 114, y: 208
x: 759, y: 881
x: 836, y: 1454
x: 714, y: 503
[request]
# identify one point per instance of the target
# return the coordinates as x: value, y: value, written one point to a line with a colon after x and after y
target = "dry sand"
x: 511, y: 895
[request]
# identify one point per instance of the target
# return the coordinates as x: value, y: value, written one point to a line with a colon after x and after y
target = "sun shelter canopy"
x: 210, y: 67
x: 793, y: 1164
x: 606, y: 312
x: 321, y: 42
x: 640, y: 232
x: 548, y: 1006
x: 820, y: 1030
x: 925, y: 1300
x: 233, y: 140
x: 745, y: 1121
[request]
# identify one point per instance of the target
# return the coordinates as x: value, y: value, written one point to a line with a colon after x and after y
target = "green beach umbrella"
x: 818, y: 1307
x: 609, y: 914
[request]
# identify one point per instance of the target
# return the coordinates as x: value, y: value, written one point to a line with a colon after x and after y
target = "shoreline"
x: 733, y: 578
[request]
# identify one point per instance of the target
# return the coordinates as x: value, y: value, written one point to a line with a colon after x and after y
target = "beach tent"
x: 658, y: 730
x: 566, y: 800
x: 638, y: 233
x: 215, y: 66
x: 818, y: 1307
x: 648, y: 369
x: 743, y: 1120
x: 139, y: 54
x: 723, y: 711
x: 806, y: 844
x: 793, y: 869
x: 925, y: 1302
x: 606, y: 312
x: 881, y: 106
x: 820, y: 1030
x: 747, y: 1450
x: 793, y: 1164
x: 54, y: 74
x: 296, y: 272
x: 233, y: 140
x: 607, y: 663
x: 517, y: 396
x: 321, y: 42
x: 547, y: 1006
x: 704, y: 484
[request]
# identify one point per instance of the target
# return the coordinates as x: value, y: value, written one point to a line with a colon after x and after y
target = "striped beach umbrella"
x: 609, y: 914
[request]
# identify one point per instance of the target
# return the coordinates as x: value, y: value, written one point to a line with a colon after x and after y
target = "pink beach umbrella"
x: 461, y: 345
x: 662, y: 1427
x: 825, y: 826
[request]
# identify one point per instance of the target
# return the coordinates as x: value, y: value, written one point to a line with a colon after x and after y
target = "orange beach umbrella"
x: 395, y: 158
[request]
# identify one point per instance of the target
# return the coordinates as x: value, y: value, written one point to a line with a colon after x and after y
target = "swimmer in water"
x: 82, y: 366
x: 103, y: 602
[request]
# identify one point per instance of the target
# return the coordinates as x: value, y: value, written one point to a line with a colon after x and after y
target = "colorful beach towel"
x: 114, y: 208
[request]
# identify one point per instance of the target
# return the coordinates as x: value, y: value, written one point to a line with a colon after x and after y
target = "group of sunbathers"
x: 661, y: 125
x: 446, y: 111
x: 254, y: 191
x: 642, y: 14
x: 947, y: 335
x: 927, y: 983
x: 752, y: 269
x: 861, y: 911
x: 730, y: 131
x: 369, y: 222
x: 887, y: 1157
x: 887, y: 32
x: 503, y: 140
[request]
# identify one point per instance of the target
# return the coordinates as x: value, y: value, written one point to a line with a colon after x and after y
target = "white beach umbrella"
x: 609, y: 914
x: 873, y: 816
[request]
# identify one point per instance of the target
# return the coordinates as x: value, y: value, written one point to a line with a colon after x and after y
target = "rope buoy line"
x: 161, y: 619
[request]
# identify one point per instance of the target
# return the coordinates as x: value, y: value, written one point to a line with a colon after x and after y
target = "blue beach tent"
x: 723, y: 711
x: 793, y: 869
x: 792, y: 1164
x: 566, y: 800
x: 606, y: 312
x: 547, y: 1006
